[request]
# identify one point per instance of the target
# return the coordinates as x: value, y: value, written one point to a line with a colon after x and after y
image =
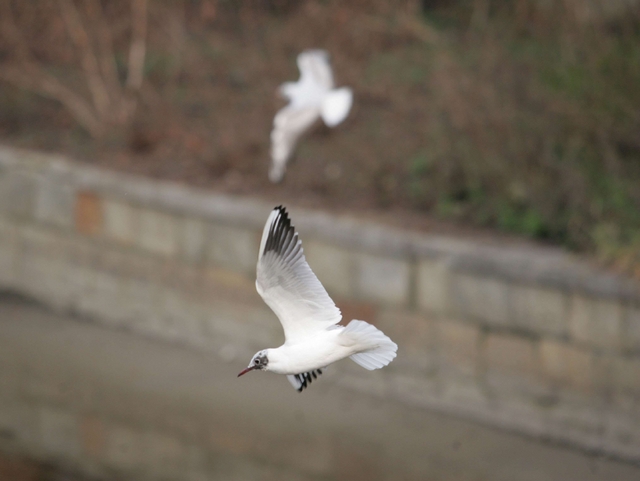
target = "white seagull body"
x: 313, y: 96
x: 313, y: 340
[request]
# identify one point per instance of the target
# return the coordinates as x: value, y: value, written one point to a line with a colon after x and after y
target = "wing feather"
x: 314, y: 66
x: 288, y: 126
x: 302, y: 380
x: 288, y: 285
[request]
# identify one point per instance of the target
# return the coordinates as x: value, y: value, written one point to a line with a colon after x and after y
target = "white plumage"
x: 313, y: 96
x: 309, y: 317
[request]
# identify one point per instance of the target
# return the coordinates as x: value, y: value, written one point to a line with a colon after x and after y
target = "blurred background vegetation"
x: 520, y: 116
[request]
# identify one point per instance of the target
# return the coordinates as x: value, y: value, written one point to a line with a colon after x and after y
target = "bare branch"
x: 12, y: 33
x: 105, y: 44
x: 177, y: 36
x: 33, y: 78
x: 78, y: 34
x: 138, y: 47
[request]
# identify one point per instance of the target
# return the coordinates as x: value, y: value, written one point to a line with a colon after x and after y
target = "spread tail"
x: 376, y: 350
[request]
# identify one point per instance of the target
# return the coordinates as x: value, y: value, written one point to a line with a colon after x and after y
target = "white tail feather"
x: 336, y: 105
x: 376, y: 350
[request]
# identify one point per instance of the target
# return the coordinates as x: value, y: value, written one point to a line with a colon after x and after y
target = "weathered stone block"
x: 17, y: 194
x: 88, y: 214
x: 9, y: 254
x: 622, y: 433
x: 139, y: 299
x: 59, y: 432
x: 398, y: 324
x: 596, y: 322
x: 416, y: 390
x: 45, y: 268
x: 233, y: 248
x: 539, y: 310
x: 158, y: 233
x: 55, y: 202
x: 564, y: 365
x: 576, y: 420
x: 627, y: 376
x: 227, y: 284
x: 193, y: 239
x: 228, y: 323
x: 463, y: 394
x: 333, y: 266
x: 102, y: 297
x: 459, y: 345
x: 603, y: 373
x: 381, y: 279
x: 43, y: 243
x: 631, y: 337
x: 481, y: 298
x: 80, y: 282
x: 176, y: 319
x: 365, y: 311
x: 186, y: 278
x: 121, y: 221
x: 46, y: 279
x: 81, y: 251
x: 433, y: 288
x: 192, y: 323
x: 510, y: 356
x: 115, y: 261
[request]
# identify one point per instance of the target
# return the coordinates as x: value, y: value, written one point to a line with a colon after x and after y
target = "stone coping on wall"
x: 541, y: 266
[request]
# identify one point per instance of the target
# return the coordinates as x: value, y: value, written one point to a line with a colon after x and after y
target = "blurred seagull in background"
x: 313, y: 338
x: 311, y: 97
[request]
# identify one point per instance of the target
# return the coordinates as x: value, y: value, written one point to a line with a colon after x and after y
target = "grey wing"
x: 288, y: 285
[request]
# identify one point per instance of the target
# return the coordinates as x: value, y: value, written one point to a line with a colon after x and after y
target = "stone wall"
x: 529, y: 339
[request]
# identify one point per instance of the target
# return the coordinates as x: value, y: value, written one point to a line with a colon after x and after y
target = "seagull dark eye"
x: 256, y: 361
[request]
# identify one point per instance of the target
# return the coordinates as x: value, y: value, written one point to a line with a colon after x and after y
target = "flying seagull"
x: 313, y: 338
x: 311, y: 97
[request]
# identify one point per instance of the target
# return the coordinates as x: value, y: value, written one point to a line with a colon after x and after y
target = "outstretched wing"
x: 288, y: 125
x: 288, y: 285
x: 315, y: 67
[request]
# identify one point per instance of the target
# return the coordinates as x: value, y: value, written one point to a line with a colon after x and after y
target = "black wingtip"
x: 282, y: 210
x: 305, y: 378
x: 282, y: 235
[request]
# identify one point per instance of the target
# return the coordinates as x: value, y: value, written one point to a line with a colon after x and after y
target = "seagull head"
x: 259, y: 362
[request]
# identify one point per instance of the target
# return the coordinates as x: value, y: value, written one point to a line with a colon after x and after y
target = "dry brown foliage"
x: 522, y: 116
x: 37, y: 35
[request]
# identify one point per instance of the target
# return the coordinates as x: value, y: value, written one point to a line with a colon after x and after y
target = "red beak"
x: 244, y: 371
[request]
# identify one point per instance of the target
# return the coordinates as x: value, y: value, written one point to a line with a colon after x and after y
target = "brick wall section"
x: 528, y: 338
